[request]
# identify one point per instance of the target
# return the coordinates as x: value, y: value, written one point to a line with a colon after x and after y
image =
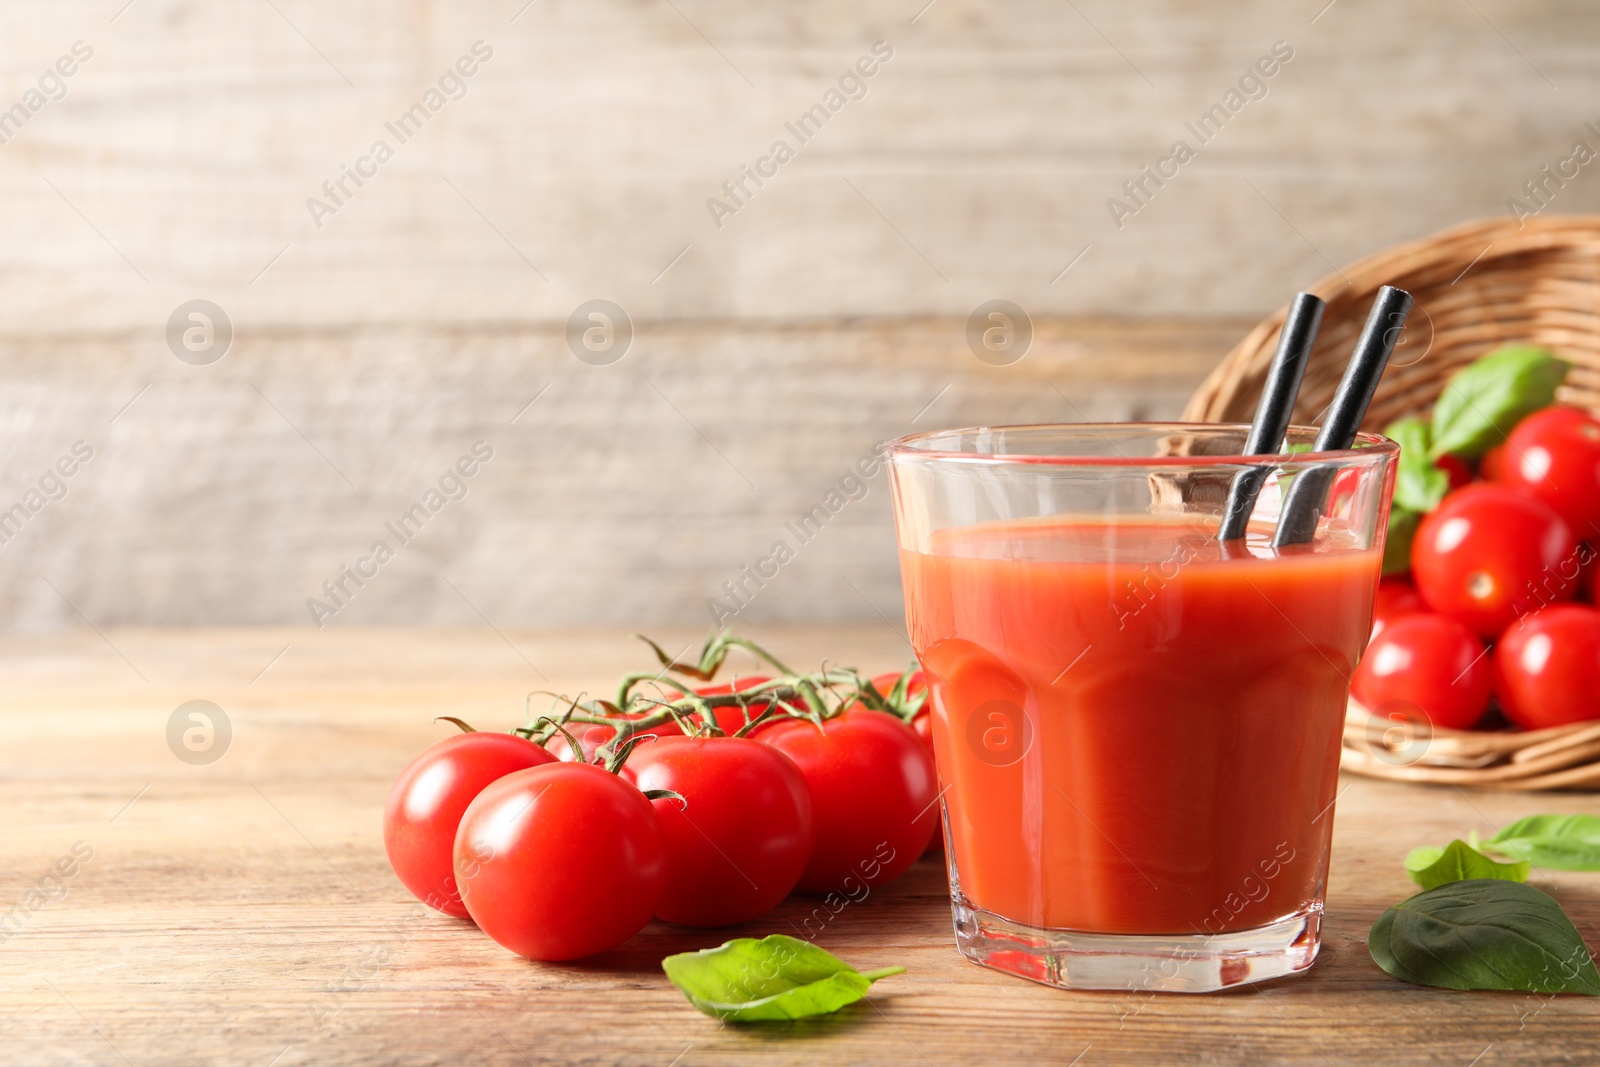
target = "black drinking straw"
x: 1303, y: 505
x: 1273, y: 410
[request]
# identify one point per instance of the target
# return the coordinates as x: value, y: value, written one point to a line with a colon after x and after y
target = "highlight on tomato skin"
x: 740, y: 836
x: 1547, y: 669
x: 1430, y: 661
x: 560, y: 861
x: 426, y: 803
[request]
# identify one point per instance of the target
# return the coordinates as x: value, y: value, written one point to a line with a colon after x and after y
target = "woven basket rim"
x: 1503, y: 238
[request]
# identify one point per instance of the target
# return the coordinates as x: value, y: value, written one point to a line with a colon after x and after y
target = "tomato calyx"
x: 668, y: 700
x: 905, y: 699
x: 466, y: 727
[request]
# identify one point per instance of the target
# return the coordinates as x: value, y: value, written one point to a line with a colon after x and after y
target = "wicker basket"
x: 1476, y: 286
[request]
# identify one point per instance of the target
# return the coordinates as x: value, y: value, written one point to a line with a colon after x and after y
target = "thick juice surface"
x: 1137, y: 728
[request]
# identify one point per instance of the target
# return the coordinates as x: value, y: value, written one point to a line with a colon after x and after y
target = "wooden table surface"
x: 243, y: 912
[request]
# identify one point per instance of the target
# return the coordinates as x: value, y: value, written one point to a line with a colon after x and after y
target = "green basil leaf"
x: 1484, y: 400
x: 1459, y: 862
x: 1418, y: 484
x: 1484, y: 934
x: 777, y: 977
x: 1397, y: 542
x: 1564, y: 842
x: 1420, y: 859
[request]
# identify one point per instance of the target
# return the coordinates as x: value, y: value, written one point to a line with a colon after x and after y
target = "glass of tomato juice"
x: 1136, y: 725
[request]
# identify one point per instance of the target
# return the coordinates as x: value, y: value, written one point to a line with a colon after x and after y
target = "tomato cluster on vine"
x: 698, y: 804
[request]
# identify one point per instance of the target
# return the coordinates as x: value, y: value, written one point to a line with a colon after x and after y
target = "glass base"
x: 1202, y: 963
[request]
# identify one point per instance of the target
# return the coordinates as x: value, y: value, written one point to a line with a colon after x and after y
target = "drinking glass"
x: 1136, y: 725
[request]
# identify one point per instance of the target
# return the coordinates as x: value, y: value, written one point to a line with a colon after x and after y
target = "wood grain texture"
x: 625, y: 493
x: 226, y: 906
x: 372, y: 349
x: 580, y: 160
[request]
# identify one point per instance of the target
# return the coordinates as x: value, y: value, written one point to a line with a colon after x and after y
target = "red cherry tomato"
x: 1343, y: 490
x: 1396, y: 597
x: 1558, y: 415
x: 427, y: 800
x: 560, y: 861
x: 1429, y: 661
x: 590, y: 736
x: 1489, y: 466
x: 1458, y: 470
x: 885, y: 682
x: 1490, y: 553
x: 740, y: 838
x: 921, y: 722
x: 1554, y: 455
x: 1547, y: 669
x: 732, y: 719
x: 923, y: 725
x: 873, y: 790
x: 916, y: 685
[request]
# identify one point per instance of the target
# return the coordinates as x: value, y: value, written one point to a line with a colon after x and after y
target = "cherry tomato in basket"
x: 1558, y: 415
x: 1396, y: 598
x: 741, y: 836
x: 1343, y: 490
x: 1547, y: 668
x: 427, y: 800
x: 560, y: 861
x: 1490, y: 553
x: 1554, y: 455
x: 873, y: 791
x: 1429, y: 661
x: 1457, y: 469
x: 1491, y: 463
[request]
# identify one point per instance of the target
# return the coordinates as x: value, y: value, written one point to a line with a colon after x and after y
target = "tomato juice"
x: 1137, y: 728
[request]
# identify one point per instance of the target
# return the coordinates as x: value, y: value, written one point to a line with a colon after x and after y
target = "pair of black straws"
x: 1302, y: 507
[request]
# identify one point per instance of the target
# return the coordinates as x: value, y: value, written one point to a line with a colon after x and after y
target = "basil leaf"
x: 1459, y: 862
x: 1564, y: 842
x: 1418, y: 484
x: 777, y: 977
x: 1397, y: 542
x: 1484, y: 400
x: 1420, y: 859
x: 1483, y: 934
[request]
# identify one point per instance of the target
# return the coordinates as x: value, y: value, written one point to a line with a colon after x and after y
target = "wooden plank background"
x: 426, y: 312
